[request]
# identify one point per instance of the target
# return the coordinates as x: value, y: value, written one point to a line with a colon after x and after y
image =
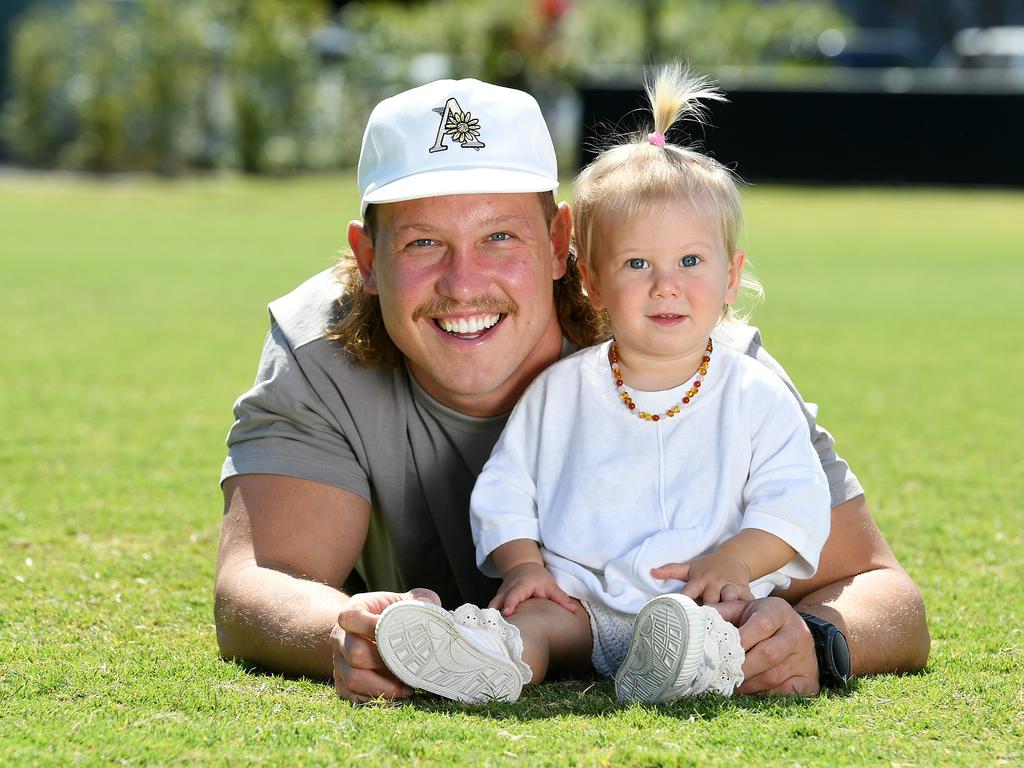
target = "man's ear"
x: 732, y: 286
x: 561, y: 230
x: 361, y: 243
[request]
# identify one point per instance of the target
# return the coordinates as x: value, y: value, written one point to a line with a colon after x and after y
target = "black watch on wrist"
x: 832, y: 651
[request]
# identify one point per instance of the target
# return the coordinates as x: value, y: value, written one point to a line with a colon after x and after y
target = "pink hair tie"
x: 657, y: 139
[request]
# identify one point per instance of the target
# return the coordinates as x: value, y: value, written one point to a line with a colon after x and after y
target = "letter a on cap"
x: 460, y: 126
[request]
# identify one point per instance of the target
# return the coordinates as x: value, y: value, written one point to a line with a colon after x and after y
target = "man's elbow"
x: 919, y: 640
x: 905, y: 646
x: 227, y: 620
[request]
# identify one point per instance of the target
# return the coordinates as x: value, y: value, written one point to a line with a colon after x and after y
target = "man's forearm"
x: 861, y: 588
x: 882, y: 614
x: 278, y: 621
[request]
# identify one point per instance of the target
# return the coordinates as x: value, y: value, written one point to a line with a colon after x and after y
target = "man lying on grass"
x: 384, y: 384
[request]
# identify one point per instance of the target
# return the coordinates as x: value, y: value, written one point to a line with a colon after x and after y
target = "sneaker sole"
x: 421, y: 644
x: 667, y: 645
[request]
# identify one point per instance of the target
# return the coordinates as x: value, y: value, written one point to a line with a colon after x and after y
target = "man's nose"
x: 463, y: 275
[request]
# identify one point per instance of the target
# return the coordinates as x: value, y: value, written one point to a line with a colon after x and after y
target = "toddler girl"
x: 640, y: 476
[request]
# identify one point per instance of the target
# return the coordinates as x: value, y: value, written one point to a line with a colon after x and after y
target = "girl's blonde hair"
x: 647, y: 170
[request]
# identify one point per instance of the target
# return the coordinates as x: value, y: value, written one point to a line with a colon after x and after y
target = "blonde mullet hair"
x: 645, y: 171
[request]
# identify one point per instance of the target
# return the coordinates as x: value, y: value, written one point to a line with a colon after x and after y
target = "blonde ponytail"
x: 676, y: 92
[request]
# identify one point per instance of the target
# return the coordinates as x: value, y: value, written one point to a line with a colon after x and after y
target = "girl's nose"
x: 665, y: 285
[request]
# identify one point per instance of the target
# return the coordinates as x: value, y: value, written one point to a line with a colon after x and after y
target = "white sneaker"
x: 471, y: 655
x: 666, y: 652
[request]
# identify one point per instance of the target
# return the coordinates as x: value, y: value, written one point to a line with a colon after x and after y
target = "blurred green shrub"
x: 272, y: 68
x: 741, y: 32
x: 105, y: 86
x: 173, y: 62
x: 517, y: 43
x: 36, y: 119
x: 508, y: 42
x: 609, y: 36
x: 170, y: 84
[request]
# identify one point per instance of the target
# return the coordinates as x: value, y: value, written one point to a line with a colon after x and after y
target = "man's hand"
x: 359, y: 672
x: 710, y: 578
x: 779, y: 649
x: 525, y: 581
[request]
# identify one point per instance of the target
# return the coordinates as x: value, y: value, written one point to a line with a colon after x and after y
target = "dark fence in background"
x: 888, y: 131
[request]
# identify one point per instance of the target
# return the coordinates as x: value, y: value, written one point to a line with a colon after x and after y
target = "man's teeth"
x: 473, y: 324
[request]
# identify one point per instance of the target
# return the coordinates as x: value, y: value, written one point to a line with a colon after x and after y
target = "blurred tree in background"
x: 96, y: 88
x: 172, y: 66
x: 272, y: 67
x: 275, y: 85
x: 157, y: 85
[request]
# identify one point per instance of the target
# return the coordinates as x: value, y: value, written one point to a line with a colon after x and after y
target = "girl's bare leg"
x: 553, y: 638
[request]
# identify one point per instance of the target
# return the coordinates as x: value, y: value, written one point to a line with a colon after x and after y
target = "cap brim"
x: 466, y: 181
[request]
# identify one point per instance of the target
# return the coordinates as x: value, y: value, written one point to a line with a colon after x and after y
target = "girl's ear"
x: 561, y: 229
x: 732, y: 286
x: 590, y: 283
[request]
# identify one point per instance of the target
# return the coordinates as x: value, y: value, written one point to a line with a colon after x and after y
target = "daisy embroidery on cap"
x: 461, y: 126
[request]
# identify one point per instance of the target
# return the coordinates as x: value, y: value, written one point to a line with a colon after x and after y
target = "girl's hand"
x: 528, y: 580
x: 711, y: 578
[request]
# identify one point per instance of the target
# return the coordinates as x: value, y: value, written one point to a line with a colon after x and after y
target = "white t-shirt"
x: 609, y: 496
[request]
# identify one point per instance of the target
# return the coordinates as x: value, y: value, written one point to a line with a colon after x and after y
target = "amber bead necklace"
x: 692, y: 392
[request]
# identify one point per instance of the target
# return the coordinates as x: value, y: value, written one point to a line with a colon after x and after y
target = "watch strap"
x: 831, y: 649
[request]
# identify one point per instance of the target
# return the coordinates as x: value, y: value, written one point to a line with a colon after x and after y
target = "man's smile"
x: 468, y: 326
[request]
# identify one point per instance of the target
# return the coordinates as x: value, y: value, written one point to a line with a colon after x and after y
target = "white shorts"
x: 612, y: 631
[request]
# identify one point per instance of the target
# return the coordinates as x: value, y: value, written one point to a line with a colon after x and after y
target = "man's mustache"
x: 480, y: 305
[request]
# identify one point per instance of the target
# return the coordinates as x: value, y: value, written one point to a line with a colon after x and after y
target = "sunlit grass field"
x: 134, y: 313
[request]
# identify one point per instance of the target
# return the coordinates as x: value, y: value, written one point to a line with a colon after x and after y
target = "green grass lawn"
x: 134, y: 315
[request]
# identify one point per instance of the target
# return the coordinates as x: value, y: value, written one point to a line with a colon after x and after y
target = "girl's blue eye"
x: 689, y: 260
x: 637, y: 263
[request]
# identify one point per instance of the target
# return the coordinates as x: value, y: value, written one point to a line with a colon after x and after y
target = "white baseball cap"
x: 455, y: 137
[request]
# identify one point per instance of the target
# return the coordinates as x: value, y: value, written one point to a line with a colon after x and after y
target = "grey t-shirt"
x: 313, y: 413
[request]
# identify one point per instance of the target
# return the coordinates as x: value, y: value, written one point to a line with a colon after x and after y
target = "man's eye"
x: 689, y: 260
x: 637, y: 263
x: 423, y: 242
x: 501, y: 236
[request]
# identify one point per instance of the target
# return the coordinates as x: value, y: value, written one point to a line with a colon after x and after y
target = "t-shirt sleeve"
x: 842, y: 482
x: 786, y: 493
x: 283, y: 427
x: 503, y: 506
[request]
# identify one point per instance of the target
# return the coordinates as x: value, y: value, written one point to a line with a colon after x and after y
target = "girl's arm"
x: 515, y: 553
x: 726, y: 573
x: 760, y: 551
